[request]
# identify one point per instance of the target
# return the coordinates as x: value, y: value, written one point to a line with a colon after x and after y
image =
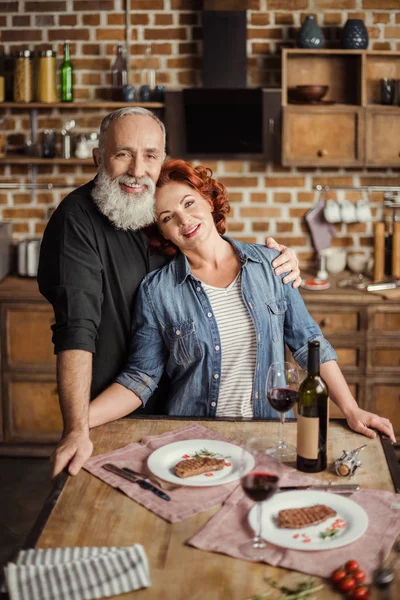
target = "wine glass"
x: 259, y: 484
x: 282, y: 392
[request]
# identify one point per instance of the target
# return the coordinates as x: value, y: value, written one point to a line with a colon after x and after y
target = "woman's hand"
x: 287, y: 262
x: 361, y: 421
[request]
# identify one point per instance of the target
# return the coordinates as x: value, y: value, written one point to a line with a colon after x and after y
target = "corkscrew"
x: 347, y: 464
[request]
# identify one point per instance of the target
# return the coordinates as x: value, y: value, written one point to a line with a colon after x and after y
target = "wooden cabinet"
x: 314, y: 135
x: 349, y: 126
x: 364, y: 329
x: 31, y: 420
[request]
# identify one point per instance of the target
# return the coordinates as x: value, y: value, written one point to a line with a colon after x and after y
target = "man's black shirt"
x: 90, y: 271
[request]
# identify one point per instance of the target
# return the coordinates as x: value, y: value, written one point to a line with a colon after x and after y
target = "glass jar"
x: 23, y: 78
x: 46, y: 77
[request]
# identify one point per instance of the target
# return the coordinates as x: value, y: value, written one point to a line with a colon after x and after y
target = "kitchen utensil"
x: 337, y: 488
x: 311, y: 92
x: 141, y: 482
x: 346, y: 465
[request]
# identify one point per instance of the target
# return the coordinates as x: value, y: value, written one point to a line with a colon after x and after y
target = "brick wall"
x: 266, y: 199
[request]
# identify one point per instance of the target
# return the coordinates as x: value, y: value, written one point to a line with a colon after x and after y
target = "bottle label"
x: 307, y: 437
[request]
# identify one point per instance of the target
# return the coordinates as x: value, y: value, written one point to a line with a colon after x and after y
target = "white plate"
x: 161, y: 462
x: 350, y: 512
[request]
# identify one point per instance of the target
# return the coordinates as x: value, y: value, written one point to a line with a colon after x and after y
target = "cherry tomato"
x: 338, y: 575
x: 361, y: 592
x: 347, y: 584
x: 351, y: 565
x: 359, y: 575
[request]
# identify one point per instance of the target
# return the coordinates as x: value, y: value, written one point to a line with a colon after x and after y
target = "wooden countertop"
x: 88, y: 512
x: 25, y: 288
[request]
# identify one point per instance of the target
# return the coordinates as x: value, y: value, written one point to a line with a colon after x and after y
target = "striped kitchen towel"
x: 78, y: 573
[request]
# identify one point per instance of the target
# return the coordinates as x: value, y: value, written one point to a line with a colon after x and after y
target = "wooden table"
x: 88, y: 512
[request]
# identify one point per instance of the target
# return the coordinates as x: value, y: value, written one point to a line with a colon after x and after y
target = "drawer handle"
x: 325, y: 322
x: 322, y: 152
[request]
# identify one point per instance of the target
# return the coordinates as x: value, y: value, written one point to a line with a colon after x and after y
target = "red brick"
x: 114, y: 19
x: 239, y: 181
x: 101, y: 5
x: 269, y: 33
x: 56, y: 35
x: 186, y: 4
x: 233, y: 166
x: 284, y: 19
x: 90, y: 79
x: 306, y: 197
x: 235, y: 197
x: 90, y: 49
x: 23, y: 213
x: 185, y: 62
x: 260, y: 19
x: 147, y: 5
x: 68, y: 20
x: 187, y: 78
x: 287, y: 4
x: 91, y: 20
x: 380, y: 4
x: 3, y: 21
x: 260, y: 48
x: 381, y: 17
x: 27, y: 35
x: 44, y: 6
x: 381, y: 46
x: 163, y: 19
x: 258, y: 197
x: 165, y: 34
x: 321, y: 5
x: 8, y: 7
x: 284, y: 227
x: 256, y: 212
x: 235, y: 226
x: 20, y: 228
x: 100, y: 64
x: 187, y: 48
x: 40, y: 227
x: 110, y: 34
x: 278, y: 182
x: 21, y: 21
x: 297, y: 212
x: 260, y: 226
x: 332, y: 19
x: 391, y: 32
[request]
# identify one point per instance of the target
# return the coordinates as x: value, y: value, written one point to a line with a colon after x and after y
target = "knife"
x: 338, y: 488
x: 143, y: 484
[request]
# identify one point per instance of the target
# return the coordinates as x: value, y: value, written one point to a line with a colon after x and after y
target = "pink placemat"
x: 229, y: 529
x: 185, y: 501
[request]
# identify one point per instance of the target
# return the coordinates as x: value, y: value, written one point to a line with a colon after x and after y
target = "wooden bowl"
x: 311, y: 93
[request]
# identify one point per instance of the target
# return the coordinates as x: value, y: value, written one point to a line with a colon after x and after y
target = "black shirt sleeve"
x: 70, y: 276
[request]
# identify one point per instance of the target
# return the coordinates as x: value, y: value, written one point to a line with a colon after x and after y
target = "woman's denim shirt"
x: 174, y: 328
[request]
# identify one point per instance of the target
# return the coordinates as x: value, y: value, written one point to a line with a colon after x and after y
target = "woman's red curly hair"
x: 200, y: 179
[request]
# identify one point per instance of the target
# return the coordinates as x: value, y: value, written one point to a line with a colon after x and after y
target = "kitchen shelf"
x: 35, y: 160
x: 80, y: 105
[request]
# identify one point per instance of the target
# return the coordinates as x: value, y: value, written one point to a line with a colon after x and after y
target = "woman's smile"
x: 192, y: 231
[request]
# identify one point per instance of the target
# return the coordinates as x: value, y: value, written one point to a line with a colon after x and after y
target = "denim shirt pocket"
x: 277, y: 310
x: 182, y: 342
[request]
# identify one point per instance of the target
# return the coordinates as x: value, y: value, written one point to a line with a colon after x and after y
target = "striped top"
x: 238, y: 349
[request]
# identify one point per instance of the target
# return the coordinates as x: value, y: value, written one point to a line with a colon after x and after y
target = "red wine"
x: 259, y: 486
x: 282, y: 399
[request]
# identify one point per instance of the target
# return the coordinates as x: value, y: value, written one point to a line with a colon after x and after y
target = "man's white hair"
x: 126, y: 112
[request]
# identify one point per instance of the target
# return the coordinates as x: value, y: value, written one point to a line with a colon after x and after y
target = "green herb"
x: 204, y: 452
x: 304, y: 590
x: 329, y: 533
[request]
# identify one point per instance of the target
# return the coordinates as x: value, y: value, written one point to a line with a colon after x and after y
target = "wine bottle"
x: 67, y: 76
x: 119, y: 74
x: 312, y: 420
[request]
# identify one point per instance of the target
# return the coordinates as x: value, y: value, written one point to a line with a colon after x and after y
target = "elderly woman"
x: 215, y: 317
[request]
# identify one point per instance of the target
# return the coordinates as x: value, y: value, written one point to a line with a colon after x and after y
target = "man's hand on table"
x: 71, y: 453
x: 361, y: 421
x: 286, y: 262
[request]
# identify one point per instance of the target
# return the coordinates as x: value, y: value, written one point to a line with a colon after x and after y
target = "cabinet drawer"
x: 384, y: 359
x: 383, y: 137
x: 336, y: 321
x: 28, y: 337
x: 32, y: 410
x: 314, y: 136
x: 384, y: 322
x: 387, y: 402
x: 348, y: 357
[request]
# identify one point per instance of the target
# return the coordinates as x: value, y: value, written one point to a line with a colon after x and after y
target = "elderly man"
x: 93, y: 257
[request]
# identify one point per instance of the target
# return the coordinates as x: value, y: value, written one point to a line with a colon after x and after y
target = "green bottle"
x: 67, y: 77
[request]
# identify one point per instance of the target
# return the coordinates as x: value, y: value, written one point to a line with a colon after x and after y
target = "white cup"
x: 357, y: 262
x: 335, y: 259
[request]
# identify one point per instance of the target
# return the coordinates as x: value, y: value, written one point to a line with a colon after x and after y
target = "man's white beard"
x: 125, y: 211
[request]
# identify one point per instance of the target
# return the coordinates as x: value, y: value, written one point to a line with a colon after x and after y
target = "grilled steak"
x: 196, y: 466
x: 296, y: 518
